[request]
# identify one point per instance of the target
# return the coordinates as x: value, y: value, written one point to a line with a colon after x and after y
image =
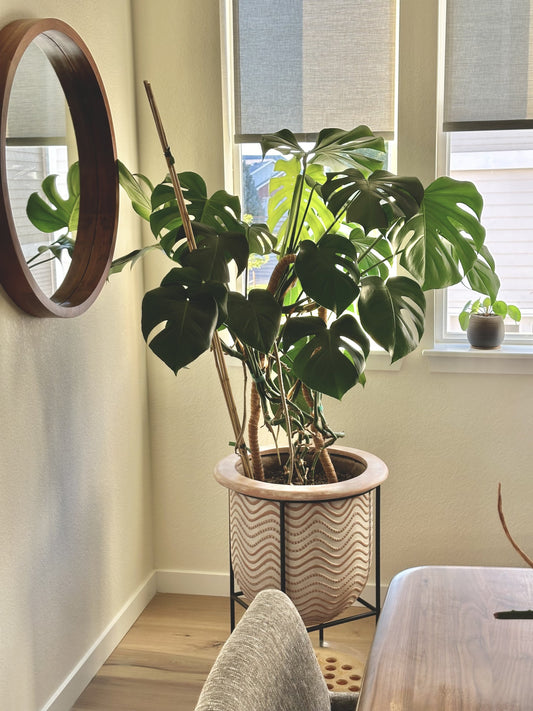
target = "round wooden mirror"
x: 94, y: 144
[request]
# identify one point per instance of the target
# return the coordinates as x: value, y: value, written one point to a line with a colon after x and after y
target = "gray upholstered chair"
x: 268, y: 664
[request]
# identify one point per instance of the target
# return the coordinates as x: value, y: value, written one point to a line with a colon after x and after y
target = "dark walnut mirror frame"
x: 85, y: 96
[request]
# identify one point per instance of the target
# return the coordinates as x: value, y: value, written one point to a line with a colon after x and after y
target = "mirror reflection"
x: 40, y: 142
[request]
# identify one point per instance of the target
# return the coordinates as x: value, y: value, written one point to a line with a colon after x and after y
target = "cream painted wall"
x: 447, y: 438
x: 179, y: 54
x: 75, y: 498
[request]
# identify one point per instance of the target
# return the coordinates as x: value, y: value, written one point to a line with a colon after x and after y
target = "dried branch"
x: 507, y: 533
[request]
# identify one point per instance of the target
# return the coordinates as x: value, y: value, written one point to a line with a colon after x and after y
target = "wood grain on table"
x: 438, y: 646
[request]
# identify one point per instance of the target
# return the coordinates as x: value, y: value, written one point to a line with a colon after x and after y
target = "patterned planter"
x: 328, y: 534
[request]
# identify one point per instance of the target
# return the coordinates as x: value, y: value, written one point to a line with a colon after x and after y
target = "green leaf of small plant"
x: 464, y: 318
x: 499, y: 308
x: 514, y: 313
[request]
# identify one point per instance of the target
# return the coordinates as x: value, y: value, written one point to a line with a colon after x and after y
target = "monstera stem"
x: 253, y: 434
x: 255, y: 400
x: 318, y: 440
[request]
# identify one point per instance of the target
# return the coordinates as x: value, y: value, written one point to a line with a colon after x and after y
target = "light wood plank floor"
x: 163, y: 661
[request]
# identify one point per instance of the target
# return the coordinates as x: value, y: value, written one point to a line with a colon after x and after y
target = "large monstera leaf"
x: 56, y: 213
x: 313, y: 215
x: 359, y: 148
x: 190, y: 310
x: 332, y: 359
x: 373, y: 202
x: 254, y: 319
x: 446, y: 229
x: 137, y: 187
x: 221, y: 211
x: 392, y: 312
x: 260, y: 239
x: 335, y: 149
x: 328, y: 271
x: 482, y: 277
x: 214, y: 252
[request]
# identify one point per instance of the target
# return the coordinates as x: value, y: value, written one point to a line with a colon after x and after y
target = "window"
x: 281, y: 76
x: 39, y: 142
x: 488, y: 117
x: 500, y: 164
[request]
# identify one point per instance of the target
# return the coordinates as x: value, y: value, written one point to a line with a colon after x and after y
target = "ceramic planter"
x: 327, y: 528
x: 485, y: 331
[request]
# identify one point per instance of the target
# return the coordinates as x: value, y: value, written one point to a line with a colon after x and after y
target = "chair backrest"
x: 267, y: 664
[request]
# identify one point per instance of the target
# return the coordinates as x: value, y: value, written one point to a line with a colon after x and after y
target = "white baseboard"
x: 191, y: 582
x: 69, y: 691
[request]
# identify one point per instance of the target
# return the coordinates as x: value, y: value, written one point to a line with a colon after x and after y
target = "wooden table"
x: 438, y: 646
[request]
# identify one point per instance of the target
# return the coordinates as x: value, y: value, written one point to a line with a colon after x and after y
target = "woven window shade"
x: 489, y: 65
x: 37, y: 108
x: 309, y: 64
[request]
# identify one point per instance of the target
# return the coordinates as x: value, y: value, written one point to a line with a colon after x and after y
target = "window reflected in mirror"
x: 40, y: 142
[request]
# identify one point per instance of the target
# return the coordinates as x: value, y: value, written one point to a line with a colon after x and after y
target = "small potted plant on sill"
x: 338, y: 226
x: 483, y: 321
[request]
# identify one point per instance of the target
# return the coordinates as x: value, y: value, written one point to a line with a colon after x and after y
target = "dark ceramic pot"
x: 485, y: 331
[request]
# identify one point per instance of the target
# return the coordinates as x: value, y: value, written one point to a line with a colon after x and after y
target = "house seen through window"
x: 500, y: 164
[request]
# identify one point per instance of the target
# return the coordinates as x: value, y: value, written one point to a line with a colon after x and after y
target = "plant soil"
x: 345, y: 467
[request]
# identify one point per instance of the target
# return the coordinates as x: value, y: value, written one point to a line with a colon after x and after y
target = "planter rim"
x: 485, y: 316
x: 375, y: 473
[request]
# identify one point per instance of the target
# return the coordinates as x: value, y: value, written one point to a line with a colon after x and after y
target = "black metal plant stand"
x: 373, y: 610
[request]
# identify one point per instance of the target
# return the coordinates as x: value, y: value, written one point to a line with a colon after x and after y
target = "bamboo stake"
x: 216, y: 345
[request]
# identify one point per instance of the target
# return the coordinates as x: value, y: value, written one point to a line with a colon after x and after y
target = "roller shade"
x: 37, y: 107
x: 309, y: 64
x: 489, y: 65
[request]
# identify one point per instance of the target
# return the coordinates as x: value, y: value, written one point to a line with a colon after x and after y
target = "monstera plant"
x: 355, y: 247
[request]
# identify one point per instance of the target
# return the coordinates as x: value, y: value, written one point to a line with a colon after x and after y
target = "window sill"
x: 461, y: 358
